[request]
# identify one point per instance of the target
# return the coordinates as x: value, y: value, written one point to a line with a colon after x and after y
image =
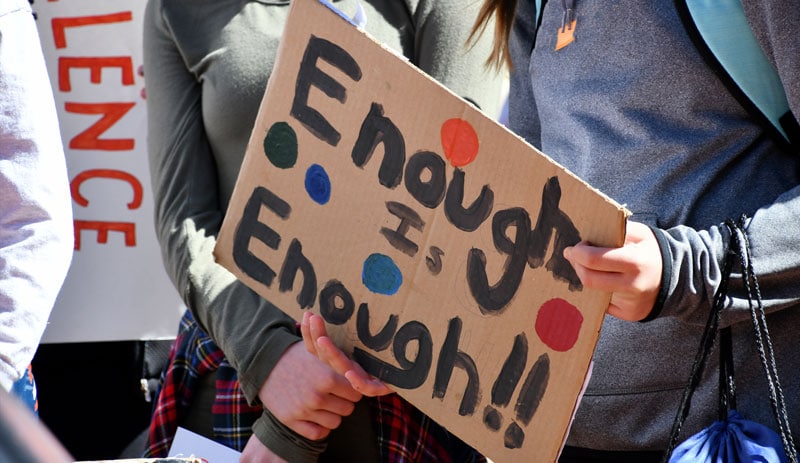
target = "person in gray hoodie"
x: 631, y: 107
x: 618, y: 93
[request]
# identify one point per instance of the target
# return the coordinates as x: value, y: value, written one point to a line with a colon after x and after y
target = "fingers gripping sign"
x: 631, y: 273
x: 318, y: 343
x: 306, y: 395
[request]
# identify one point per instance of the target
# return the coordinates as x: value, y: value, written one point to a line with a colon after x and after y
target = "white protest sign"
x: 116, y: 288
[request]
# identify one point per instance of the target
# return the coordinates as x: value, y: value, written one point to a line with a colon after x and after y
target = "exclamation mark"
x: 528, y: 401
x: 529, y: 397
x: 507, y: 381
x: 558, y: 326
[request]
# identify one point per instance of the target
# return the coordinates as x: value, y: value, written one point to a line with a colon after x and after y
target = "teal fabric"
x: 727, y: 33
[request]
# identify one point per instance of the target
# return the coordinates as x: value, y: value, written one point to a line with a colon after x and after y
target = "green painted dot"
x: 280, y: 145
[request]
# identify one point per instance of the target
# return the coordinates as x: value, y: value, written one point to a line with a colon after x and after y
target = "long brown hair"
x: 503, y: 12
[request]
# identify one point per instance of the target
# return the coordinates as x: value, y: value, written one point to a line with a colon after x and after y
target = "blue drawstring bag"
x: 732, y: 438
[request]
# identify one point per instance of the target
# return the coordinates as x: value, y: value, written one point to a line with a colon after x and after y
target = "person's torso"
x: 233, y: 60
x: 632, y: 108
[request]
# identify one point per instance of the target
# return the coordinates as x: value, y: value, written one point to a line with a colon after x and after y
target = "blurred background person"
x: 36, y: 233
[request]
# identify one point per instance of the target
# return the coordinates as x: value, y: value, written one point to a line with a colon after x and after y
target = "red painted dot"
x: 558, y: 324
x: 460, y: 142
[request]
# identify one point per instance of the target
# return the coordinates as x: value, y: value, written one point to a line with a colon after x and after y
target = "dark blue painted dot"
x: 318, y: 184
x: 381, y: 275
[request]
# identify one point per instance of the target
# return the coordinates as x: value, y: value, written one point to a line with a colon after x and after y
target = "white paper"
x: 188, y: 444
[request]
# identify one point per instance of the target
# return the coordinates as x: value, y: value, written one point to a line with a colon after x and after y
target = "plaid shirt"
x: 405, y: 434
x: 193, y: 356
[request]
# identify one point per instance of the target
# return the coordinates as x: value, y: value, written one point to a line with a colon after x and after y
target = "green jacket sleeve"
x: 189, y: 213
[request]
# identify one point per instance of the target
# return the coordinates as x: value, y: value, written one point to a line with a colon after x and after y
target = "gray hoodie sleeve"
x: 189, y: 214
x: 696, y: 255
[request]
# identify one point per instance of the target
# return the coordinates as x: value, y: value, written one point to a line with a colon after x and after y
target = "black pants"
x: 98, y: 384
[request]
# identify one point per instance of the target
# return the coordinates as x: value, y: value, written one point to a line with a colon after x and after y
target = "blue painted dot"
x: 381, y: 275
x: 318, y: 184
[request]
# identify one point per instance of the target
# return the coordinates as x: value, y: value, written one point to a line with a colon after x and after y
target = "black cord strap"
x: 727, y: 384
x: 739, y: 247
x: 706, y: 346
x: 764, y: 342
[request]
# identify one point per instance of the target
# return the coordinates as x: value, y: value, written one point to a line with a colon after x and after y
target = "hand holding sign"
x: 303, y: 393
x: 631, y: 273
x: 318, y: 343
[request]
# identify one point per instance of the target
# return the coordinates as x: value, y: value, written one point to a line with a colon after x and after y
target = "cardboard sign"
x: 428, y: 237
